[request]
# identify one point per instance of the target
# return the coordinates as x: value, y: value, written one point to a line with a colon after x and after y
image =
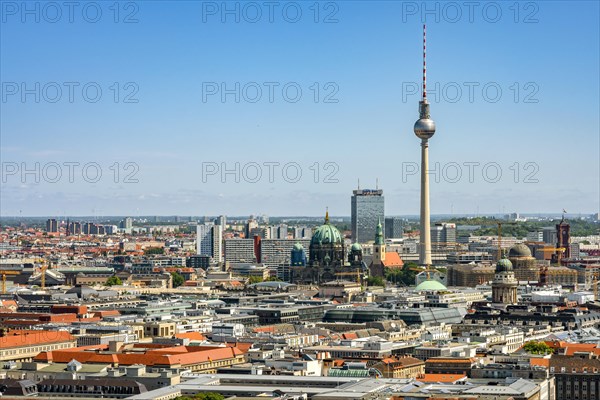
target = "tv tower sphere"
x: 424, y: 128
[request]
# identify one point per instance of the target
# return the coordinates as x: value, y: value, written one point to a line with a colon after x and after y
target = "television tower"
x: 424, y: 129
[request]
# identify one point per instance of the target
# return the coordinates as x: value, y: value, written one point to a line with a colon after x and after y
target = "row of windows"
x: 36, y: 349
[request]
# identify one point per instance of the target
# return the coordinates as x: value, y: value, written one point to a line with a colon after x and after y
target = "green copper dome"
x: 504, y: 265
x: 298, y: 246
x: 356, y: 247
x: 430, y: 285
x: 326, y: 234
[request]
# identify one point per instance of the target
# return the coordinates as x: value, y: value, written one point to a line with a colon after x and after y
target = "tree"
x: 114, y: 280
x: 178, y: 279
x: 254, y: 279
x: 375, y: 281
x: 540, y: 348
x: 154, y: 250
x: 202, y: 396
x: 405, y: 276
x: 209, y: 396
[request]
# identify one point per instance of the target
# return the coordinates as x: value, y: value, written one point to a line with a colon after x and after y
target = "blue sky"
x: 168, y: 123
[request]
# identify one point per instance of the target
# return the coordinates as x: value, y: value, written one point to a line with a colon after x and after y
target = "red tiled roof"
x: 392, y: 259
x: 27, y: 337
x: 190, y: 335
x: 572, y: 348
x: 540, y: 362
x: 444, y: 378
x: 169, y: 356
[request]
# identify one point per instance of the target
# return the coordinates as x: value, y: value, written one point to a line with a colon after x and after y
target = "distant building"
x: 302, y: 232
x: 250, y: 226
x: 549, y: 235
x: 51, y: 225
x: 198, y: 261
x: 443, y: 233
x: 221, y: 221
x: 74, y: 228
x: 367, y: 208
x: 209, y: 241
x: 274, y: 252
x: 394, y: 227
x: 400, y: 367
x: 126, y: 223
x: 470, y: 275
x: 277, y: 232
x: 537, y: 236
x: 239, y: 250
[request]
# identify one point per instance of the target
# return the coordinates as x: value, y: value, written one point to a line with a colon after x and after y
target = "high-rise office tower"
x: 367, y: 210
x: 424, y: 129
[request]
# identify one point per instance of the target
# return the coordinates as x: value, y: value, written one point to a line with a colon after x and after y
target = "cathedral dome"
x: 504, y: 265
x: 519, y: 250
x: 356, y: 247
x: 326, y: 234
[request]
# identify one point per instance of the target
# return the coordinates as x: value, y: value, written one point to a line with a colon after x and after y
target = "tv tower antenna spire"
x: 424, y: 63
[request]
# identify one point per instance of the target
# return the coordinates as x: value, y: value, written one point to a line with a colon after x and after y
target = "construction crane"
x: 428, y: 271
x: 500, y: 236
x: 355, y: 273
x: 43, y: 276
x: 42, y: 270
x: 5, y: 272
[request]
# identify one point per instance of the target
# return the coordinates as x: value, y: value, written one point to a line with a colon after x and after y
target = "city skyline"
x: 153, y: 140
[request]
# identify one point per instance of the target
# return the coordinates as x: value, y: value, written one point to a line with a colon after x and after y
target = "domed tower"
x: 504, y: 285
x: 327, y: 246
x: 298, y: 256
x: 524, y: 264
x: 356, y: 254
x: 424, y: 129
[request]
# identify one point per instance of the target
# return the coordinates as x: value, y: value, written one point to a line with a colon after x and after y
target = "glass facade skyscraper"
x: 367, y: 211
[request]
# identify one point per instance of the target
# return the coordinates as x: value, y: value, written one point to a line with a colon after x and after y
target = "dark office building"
x: 198, y: 261
x: 394, y: 227
x: 51, y: 225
